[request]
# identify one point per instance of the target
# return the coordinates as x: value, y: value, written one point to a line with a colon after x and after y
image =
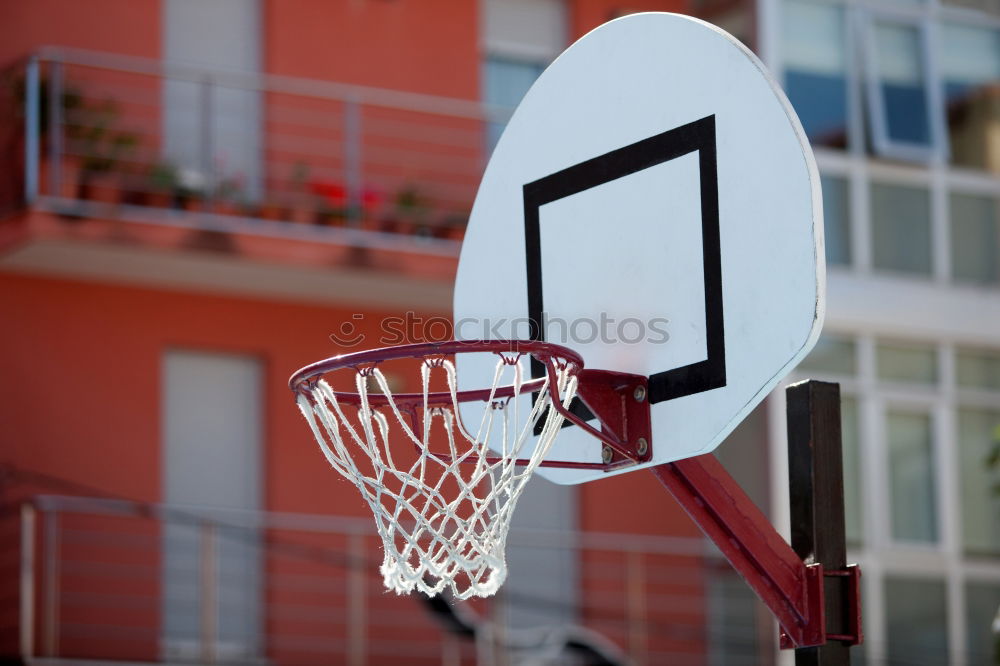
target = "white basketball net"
x: 443, y: 518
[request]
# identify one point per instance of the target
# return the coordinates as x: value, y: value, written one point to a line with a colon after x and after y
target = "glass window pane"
x: 907, y: 362
x: 916, y: 622
x: 975, y: 239
x: 982, y: 599
x: 978, y: 437
x: 832, y: 354
x: 901, y: 228
x: 837, y: 228
x: 815, y: 58
x: 504, y: 84
x: 901, y: 83
x: 970, y: 69
x: 852, y: 469
x: 978, y: 369
x: 911, y: 470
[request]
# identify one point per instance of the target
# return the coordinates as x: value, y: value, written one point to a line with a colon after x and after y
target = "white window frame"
x: 906, y: 176
x: 963, y: 189
x: 969, y: 312
x: 882, y: 143
x: 879, y: 554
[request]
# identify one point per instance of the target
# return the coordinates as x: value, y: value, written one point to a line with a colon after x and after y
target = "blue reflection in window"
x: 820, y: 100
x: 906, y: 113
x: 814, y: 49
x: 836, y: 220
x: 902, y: 83
x: 504, y: 84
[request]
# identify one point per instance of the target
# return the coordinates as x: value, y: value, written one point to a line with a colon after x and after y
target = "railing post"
x: 451, y: 651
x: 27, y: 622
x: 207, y: 139
x: 497, y: 635
x: 55, y: 128
x: 31, y: 129
x: 352, y: 157
x: 209, y: 580
x: 635, y: 587
x: 50, y: 634
x: 356, y: 595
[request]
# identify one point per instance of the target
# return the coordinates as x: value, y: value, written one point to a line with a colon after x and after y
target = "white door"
x: 211, y: 462
x: 211, y: 128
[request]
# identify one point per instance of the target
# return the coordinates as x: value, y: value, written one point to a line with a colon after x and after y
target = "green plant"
x: 163, y: 177
x: 409, y: 202
x: 102, y: 146
x: 330, y: 215
x: 230, y: 188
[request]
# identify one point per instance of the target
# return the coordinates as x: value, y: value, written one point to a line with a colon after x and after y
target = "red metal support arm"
x: 819, y: 610
x: 791, y: 589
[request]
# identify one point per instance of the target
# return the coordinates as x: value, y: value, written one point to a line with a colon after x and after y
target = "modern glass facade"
x: 901, y: 101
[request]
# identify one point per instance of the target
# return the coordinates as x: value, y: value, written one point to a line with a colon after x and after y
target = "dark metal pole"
x: 816, y: 489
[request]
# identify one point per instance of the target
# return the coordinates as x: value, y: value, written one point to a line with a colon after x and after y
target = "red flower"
x: 334, y: 193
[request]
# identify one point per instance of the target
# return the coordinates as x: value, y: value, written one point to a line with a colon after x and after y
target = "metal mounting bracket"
x: 620, y: 401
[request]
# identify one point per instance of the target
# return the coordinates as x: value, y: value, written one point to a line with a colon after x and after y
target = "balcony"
x: 113, y: 161
x: 108, y: 579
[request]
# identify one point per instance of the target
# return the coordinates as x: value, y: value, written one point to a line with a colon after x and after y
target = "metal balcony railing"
x: 104, y: 579
x: 101, y: 135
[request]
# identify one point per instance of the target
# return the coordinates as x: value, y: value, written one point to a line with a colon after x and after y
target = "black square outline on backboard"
x: 695, y: 136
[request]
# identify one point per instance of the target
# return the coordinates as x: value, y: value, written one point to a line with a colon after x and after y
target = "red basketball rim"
x: 552, y: 355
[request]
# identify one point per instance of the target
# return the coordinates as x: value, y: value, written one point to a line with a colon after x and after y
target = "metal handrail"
x: 279, y: 83
x: 306, y: 522
x: 373, y: 146
x: 67, y: 540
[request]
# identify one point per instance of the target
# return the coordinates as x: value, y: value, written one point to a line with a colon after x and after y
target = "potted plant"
x: 330, y: 216
x: 453, y: 226
x: 409, y: 214
x: 103, y: 150
x: 228, y: 198
x: 161, y: 183
x: 273, y: 209
x: 331, y: 207
x: 190, y: 189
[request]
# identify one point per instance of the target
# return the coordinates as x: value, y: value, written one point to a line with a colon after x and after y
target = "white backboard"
x: 654, y: 205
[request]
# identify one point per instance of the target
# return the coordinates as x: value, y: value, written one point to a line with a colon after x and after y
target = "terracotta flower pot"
x: 223, y: 207
x: 303, y: 214
x: 102, y: 188
x: 193, y: 204
x: 273, y: 211
x: 158, y: 199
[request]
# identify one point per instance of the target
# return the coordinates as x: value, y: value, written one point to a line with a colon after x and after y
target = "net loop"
x: 443, y: 512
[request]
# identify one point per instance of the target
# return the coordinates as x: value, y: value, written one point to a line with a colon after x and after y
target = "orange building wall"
x: 80, y: 401
x: 94, y: 351
x: 430, y: 46
x: 585, y: 15
x: 121, y: 26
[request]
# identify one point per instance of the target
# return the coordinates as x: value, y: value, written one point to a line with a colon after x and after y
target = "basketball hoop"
x: 444, y: 511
